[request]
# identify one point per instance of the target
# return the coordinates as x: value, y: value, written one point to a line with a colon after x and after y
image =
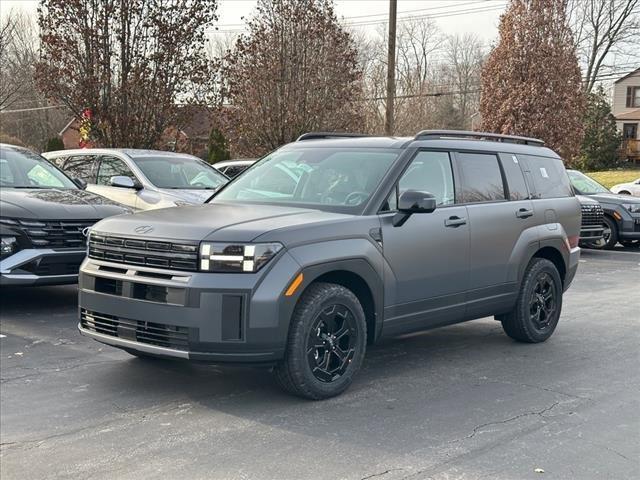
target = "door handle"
x: 455, y: 221
x: 524, y: 213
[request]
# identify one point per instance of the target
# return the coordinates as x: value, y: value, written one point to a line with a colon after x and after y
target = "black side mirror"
x: 81, y: 184
x: 122, y: 181
x: 413, y: 201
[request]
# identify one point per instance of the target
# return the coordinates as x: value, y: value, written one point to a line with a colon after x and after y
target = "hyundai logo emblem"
x: 85, y: 231
x: 142, y: 229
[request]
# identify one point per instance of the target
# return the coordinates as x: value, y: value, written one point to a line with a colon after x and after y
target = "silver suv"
x: 141, y: 179
x: 376, y: 237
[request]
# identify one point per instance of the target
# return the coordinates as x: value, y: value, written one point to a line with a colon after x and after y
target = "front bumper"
x: 629, y: 227
x: 41, y: 266
x: 200, y: 316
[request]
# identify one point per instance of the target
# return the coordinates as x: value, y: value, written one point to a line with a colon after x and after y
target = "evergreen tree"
x: 218, y: 147
x: 601, y: 137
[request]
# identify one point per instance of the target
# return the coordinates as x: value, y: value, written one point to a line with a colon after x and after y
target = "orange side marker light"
x: 294, y: 285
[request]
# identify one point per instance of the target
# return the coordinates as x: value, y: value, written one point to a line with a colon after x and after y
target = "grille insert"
x: 174, y: 256
x: 151, y: 333
x: 53, y: 233
x: 592, y: 215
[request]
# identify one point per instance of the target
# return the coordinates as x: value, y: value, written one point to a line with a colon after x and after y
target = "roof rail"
x: 325, y: 135
x: 494, y: 137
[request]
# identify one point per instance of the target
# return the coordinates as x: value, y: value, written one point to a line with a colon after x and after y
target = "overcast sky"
x: 453, y: 16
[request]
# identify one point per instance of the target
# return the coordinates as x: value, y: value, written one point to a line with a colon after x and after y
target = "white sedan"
x: 631, y: 188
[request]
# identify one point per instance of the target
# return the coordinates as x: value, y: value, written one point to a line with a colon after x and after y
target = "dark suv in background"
x: 44, y: 219
x: 621, y: 212
x: 373, y: 237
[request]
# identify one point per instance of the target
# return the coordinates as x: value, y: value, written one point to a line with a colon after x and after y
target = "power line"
x: 32, y: 109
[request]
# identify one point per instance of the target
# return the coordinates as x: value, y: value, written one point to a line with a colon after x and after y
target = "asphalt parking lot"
x: 462, y: 402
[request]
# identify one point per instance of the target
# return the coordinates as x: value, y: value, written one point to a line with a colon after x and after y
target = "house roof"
x: 632, y: 115
x: 637, y: 70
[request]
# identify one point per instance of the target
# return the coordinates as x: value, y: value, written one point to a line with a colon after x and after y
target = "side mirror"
x: 413, y: 201
x: 123, y: 181
x: 81, y: 184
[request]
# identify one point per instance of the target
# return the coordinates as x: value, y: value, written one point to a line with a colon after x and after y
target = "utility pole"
x: 391, y: 68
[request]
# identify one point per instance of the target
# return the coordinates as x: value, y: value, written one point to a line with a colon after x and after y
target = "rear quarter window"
x: 549, y: 178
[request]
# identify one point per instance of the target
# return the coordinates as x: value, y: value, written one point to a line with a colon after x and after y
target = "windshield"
x: 332, y: 177
x: 585, y: 185
x: 25, y: 169
x: 180, y: 173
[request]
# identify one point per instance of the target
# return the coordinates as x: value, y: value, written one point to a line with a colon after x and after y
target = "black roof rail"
x: 494, y: 137
x: 325, y: 135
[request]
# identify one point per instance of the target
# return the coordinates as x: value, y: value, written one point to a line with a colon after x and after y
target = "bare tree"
x: 127, y: 61
x: 602, y: 28
x: 25, y: 113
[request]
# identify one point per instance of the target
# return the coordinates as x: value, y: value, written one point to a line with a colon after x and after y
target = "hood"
x: 55, y: 204
x: 614, y: 198
x: 195, y: 196
x: 223, y: 222
x: 584, y: 200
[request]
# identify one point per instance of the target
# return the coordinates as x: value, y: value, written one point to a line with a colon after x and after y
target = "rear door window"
x: 79, y: 166
x: 550, y: 179
x: 515, y: 179
x: 481, y: 178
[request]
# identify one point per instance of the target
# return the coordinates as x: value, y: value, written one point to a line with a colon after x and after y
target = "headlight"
x: 632, y: 207
x: 234, y: 257
x: 8, y: 246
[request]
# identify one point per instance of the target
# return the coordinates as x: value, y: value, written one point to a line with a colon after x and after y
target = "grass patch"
x: 609, y: 178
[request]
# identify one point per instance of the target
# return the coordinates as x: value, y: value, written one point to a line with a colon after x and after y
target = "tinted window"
x: 430, y: 172
x: 549, y: 176
x: 234, y: 171
x: 515, y: 179
x: 481, y: 178
x: 112, y: 167
x: 78, y: 167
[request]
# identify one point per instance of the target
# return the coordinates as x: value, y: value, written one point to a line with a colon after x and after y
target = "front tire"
x: 326, y: 344
x: 610, y: 236
x: 539, y: 304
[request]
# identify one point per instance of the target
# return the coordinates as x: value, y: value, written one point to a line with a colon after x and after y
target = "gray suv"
x: 377, y: 237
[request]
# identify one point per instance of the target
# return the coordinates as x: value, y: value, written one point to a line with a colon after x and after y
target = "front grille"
x: 151, y: 333
x: 592, y: 215
x: 53, y: 233
x: 150, y: 253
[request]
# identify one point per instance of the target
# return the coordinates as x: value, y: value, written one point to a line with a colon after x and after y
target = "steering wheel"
x: 356, y: 198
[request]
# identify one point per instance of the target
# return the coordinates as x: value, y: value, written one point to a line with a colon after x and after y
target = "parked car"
x: 233, y: 168
x: 621, y: 212
x: 379, y: 237
x: 44, y: 216
x: 631, y: 188
x: 592, y: 226
x: 141, y: 179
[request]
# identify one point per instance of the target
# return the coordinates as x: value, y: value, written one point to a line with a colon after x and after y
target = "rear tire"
x: 326, y: 344
x: 537, y: 310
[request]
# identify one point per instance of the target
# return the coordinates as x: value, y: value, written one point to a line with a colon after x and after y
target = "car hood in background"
x: 225, y: 222
x: 195, y: 196
x: 614, y: 198
x: 56, y: 204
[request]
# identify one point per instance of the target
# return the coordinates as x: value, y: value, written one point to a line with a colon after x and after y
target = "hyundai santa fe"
x: 334, y: 241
